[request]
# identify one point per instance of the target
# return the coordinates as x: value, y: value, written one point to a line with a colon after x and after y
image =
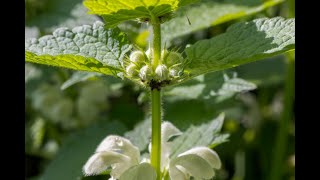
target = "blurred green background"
x: 68, y: 113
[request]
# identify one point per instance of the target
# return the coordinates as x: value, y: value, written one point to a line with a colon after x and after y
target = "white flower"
x: 124, y: 159
x: 122, y: 156
x: 198, y: 162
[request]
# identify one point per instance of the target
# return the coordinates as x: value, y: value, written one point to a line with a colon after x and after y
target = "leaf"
x: 208, y: 86
x: 31, y: 32
x: 31, y: 72
x: 84, y: 48
x: 117, y: 11
x: 58, y: 13
x: 78, y: 77
x: 77, y: 149
x: 140, y: 135
x: 242, y: 43
x: 264, y: 73
x: 208, y: 13
x: 202, y: 135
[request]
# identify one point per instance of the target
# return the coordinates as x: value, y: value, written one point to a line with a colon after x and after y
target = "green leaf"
x: 208, y: 13
x: 78, y: 77
x: 202, y: 135
x: 208, y: 86
x: 140, y: 135
x: 77, y: 149
x: 84, y: 48
x: 58, y: 13
x: 31, y: 72
x: 117, y: 11
x: 242, y: 43
x: 264, y: 73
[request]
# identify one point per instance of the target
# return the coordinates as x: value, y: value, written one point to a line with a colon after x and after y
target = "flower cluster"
x: 139, y: 66
x: 123, y: 158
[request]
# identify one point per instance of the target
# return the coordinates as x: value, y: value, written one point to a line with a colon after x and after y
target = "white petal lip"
x: 143, y: 171
x: 193, y: 164
x: 176, y: 173
x: 198, y: 162
x: 100, y: 161
x: 121, y: 145
x: 207, y: 154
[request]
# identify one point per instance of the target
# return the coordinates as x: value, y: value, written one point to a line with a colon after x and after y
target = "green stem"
x: 282, y: 136
x: 156, y: 131
x: 156, y: 42
x: 156, y: 101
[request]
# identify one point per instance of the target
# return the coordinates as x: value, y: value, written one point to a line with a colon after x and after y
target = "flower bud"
x: 175, y: 71
x: 137, y: 57
x: 145, y: 73
x: 162, y: 72
x: 132, y: 70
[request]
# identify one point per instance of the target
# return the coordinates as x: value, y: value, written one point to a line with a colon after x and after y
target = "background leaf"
x: 209, y: 85
x: 52, y: 14
x: 140, y: 135
x: 202, y: 135
x: 78, y: 77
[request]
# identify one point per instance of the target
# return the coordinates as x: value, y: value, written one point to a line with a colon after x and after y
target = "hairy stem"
x: 156, y: 131
x: 156, y: 42
x: 156, y: 101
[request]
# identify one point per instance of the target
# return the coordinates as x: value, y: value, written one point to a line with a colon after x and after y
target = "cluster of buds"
x: 140, y: 66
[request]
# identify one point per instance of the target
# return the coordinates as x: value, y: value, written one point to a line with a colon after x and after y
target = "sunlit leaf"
x: 242, y: 43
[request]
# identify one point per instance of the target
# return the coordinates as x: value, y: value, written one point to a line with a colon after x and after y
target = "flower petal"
x: 100, y: 162
x: 178, y: 173
x: 121, y: 145
x: 143, y: 171
x: 167, y: 131
x: 191, y: 164
x: 207, y: 154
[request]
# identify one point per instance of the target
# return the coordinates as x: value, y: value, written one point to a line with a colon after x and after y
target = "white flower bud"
x: 137, y: 57
x: 162, y: 72
x: 145, y: 73
x: 132, y: 70
x: 175, y: 71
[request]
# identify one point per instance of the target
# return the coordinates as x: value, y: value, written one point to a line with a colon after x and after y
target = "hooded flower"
x: 198, y: 162
x: 122, y: 156
x: 124, y: 159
